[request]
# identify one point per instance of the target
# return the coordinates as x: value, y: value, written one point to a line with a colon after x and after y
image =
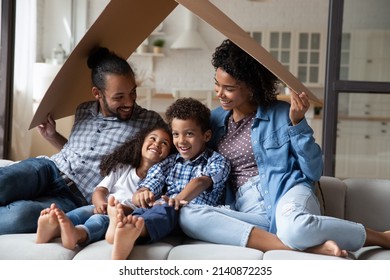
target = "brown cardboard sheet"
x: 122, y: 27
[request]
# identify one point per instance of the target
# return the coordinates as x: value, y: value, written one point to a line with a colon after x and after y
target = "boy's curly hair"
x: 189, y: 109
x: 244, y: 68
x: 130, y: 153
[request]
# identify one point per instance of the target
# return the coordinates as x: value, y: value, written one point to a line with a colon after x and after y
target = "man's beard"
x: 115, y: 113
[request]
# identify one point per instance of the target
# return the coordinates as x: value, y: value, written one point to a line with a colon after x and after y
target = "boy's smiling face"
x: 188, y: 138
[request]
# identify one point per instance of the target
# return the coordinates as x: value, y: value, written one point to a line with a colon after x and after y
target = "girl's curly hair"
x: 130, y: 153
x: 244, y: 68
x: 188, y: 108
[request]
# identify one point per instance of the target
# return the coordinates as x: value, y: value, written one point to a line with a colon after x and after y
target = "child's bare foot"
x: 128, y: 230
x: 70, y: 235
x: 48, y: 226
x: 329, y: 248
x: 112, y: 214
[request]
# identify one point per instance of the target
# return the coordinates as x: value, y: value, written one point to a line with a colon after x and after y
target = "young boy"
x: 196, y: 174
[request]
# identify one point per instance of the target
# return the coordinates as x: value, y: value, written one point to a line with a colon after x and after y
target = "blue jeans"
x: 227, y: 225
x: 299, y: 223
x: 301, y: 226
x: 160, y: 220
x: 28, y: 187
x: 95, y: 225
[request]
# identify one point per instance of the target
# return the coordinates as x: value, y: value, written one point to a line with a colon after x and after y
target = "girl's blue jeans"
x: 95, y: 225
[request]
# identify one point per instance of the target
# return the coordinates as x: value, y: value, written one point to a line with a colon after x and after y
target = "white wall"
x: 192, y: 68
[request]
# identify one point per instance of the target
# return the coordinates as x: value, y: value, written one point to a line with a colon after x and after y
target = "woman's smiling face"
x: 230, y: 92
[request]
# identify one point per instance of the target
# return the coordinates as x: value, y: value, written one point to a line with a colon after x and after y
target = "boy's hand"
x: 174, y: 202
x: 143, y: 198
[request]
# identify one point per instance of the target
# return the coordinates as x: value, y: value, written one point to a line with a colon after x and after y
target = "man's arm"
x: 48, y: 131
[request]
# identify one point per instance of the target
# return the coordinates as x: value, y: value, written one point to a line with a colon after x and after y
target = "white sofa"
x: 360, y: 200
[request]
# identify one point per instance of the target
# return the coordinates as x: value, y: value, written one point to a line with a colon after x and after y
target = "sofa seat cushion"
x: 372, y: 253
x: 213, y: 252
x: 294, y: 255
x: 23, y: 247
x: 101, y: 250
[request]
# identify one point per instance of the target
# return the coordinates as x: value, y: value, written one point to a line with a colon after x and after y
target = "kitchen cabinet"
x: 363, y: 136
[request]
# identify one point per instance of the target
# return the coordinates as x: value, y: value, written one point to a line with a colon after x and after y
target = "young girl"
x: 123, y: 169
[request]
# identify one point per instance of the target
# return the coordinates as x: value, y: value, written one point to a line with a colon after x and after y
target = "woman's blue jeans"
x: 299, y: 223
x: 28, y: 187
x: 95, y: 225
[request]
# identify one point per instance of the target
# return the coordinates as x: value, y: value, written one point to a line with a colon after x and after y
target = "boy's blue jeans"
x: 28, y: 187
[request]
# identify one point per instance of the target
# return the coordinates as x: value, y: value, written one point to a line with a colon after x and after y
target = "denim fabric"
x: 95, y: 225
x: 285, y: 155
x: 224, y: 225
x: 28, y: 187
x: 160, y: 220
x: 301, y: 226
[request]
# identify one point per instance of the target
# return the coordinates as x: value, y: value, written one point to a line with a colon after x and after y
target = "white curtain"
x: 25, y: 56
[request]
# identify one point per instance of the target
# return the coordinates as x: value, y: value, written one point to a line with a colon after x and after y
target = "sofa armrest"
x: 5, y: 162
x: 333, y: 191
x: 367, y: 202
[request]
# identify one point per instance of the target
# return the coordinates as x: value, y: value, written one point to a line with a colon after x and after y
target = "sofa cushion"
x: 293, y: 255
x: 23, y: 247
x: 372, y: 253
x: 5, y: 162
x: 367, y: 202
x: 209, y: 251
x: 101, y: 250
x: 333, y: 191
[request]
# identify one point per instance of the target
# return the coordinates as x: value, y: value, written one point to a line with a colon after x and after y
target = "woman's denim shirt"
x: 286, y: 155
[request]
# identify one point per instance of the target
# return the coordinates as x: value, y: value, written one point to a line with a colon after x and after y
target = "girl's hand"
x: 100, y: 208
x: 299, y: 106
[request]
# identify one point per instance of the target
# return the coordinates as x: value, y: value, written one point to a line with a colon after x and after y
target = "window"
x: 302, y: 53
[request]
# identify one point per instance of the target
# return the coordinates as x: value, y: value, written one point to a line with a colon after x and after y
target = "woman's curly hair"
x: 188, y: 108
x: 244, y: 68
x: 130, y: 153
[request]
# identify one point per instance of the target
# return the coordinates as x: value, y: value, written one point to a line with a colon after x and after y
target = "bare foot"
x: 48, y: 226
x: 128, y: 230
x: 329, y: 248
x: 112, y: 213
x: 70, y: 235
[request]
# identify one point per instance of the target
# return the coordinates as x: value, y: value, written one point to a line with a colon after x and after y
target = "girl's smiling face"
x: 156, y: 146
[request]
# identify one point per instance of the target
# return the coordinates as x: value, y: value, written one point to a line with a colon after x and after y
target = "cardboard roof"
x: 122, y: 27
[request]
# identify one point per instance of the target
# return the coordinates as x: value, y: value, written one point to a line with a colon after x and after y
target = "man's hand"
x: 48, y: 128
